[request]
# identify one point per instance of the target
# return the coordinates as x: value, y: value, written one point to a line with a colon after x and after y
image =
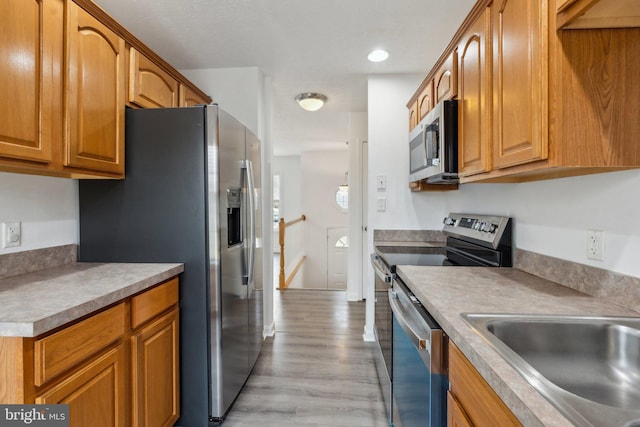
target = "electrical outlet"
x: 10, y: 234
x: 595, y: 245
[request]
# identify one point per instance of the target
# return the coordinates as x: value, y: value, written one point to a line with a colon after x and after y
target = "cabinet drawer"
x: 153, y: 302
x: 65, y: 349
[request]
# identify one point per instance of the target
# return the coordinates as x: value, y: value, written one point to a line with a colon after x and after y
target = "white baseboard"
x: 269, y: 330
x: 368, y: 336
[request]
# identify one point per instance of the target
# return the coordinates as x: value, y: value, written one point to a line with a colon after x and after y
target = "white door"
x: 337, y: 245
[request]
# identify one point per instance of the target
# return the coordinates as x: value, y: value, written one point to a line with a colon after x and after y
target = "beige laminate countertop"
x: 500, y: 290
x: 35, y: 303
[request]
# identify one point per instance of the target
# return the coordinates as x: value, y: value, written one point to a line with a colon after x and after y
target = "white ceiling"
x: 303, y: 45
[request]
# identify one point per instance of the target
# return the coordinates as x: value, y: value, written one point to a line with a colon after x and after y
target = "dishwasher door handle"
x: 414, y: 332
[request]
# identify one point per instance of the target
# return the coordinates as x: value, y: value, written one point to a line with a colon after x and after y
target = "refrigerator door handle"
x: 252, y: 220
x: 248, y: 166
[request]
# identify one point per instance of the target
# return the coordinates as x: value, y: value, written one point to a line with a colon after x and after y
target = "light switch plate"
x: 381, y: 182
x: 381, y: 204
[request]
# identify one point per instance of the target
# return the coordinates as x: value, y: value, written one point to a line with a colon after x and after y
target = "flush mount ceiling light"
x: 378, y: 55
x: 311, y: 101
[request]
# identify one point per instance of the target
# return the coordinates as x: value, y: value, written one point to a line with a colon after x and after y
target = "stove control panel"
x: 486, y: 228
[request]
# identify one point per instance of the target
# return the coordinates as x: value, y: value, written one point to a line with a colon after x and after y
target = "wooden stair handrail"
x: 282, y: 225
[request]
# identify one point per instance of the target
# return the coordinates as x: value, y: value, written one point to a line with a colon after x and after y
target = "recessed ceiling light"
x: 378, y: 55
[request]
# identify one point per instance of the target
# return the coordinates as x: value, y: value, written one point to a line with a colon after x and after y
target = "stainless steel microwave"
x: 433, y: 146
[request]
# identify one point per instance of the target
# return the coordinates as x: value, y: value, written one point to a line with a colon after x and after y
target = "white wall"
x: 238, y: 91
x: 322, y: 173
x: 289, y: 168
x: 47, y: 208
x: 552, y: 217
x: 389, y: 156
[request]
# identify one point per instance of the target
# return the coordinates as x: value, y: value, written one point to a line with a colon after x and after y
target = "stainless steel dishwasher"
x: 419, y: 362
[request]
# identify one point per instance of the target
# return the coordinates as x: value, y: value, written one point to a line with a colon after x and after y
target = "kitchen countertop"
x: 500, y: 290
x: 35, y: 303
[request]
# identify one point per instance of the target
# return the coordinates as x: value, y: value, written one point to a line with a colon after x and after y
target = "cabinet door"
x: 477, y: 400
x: 456, y: 416
x: 189, y: 98
x: 149, y: 85
x: 27, y: 72
x: 413, y: 115
x: 520, y: 82
x: 95, y: 85
x: 425, y: 100
x: 446, y: 79
x: 95, y: 393
x: 155, y: 373
x: 474, y: 111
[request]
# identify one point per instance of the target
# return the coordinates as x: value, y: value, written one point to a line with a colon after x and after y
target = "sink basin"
x: 588, y: 367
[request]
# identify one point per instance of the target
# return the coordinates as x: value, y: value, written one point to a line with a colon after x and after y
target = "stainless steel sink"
x: 588, y: 367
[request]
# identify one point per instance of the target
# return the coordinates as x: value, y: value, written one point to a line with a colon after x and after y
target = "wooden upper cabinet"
x: 413, y: 115
x: 425, y: 100
x: 149, y: 85
x: 26, y: 70
x: 563, y: 4
x: 189, y: 98
x: 520, y: 82
x: 474, y: 110
x: 597, y: 14
x: 446, y: 79
x: 95, y: 94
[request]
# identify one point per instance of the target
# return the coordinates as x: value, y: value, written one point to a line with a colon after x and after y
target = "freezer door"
x: 230, y: 370
x: 254, y: 219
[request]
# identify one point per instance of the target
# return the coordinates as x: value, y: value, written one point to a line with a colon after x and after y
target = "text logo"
x: 34, y: 415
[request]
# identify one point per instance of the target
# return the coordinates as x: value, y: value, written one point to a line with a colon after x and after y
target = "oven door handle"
x: 380, y: 271
x: 416, y: 333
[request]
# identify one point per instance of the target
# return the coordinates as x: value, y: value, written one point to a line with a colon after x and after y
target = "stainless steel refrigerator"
x: 192, y: 194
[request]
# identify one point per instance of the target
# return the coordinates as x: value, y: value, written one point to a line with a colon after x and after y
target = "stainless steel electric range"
x: 413, y: 379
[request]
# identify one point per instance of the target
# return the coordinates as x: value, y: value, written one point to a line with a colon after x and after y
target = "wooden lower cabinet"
x: 95, y: 393
x: 456, y: 417
x: 117, y: 367
x: 155, y: 349
x: 471, y: 400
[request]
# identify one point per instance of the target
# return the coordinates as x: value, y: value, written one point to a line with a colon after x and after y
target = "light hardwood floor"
x: 316, y: 372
